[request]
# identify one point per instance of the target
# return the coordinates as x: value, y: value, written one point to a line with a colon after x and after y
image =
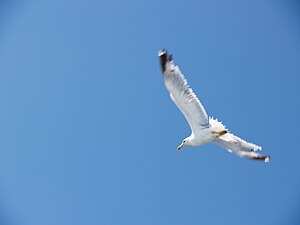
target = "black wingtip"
x: 265, y: 158
x: 164, y: 58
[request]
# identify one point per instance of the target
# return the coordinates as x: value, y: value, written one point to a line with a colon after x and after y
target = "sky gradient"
x: 89, y: 133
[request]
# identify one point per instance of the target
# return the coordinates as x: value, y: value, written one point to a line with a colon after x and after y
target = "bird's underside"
x: 204, y: 129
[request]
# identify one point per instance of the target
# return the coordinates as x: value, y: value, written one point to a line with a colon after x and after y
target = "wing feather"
x: 241, y: 147
x: 182, y: 95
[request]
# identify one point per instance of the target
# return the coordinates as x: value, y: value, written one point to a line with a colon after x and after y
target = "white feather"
x: 204, y: 129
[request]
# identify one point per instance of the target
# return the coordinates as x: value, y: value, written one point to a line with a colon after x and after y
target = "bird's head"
x: 185, y: 142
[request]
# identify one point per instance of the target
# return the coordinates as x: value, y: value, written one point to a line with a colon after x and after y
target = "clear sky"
x: 88, y: 133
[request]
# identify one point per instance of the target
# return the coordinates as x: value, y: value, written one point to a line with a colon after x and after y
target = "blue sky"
x: 89, y: 134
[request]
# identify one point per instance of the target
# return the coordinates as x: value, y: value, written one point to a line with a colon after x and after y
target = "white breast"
x: 203, y: 136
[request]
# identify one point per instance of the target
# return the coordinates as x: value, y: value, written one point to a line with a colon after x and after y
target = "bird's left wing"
x: 241, y: 147
x: 182, y: 95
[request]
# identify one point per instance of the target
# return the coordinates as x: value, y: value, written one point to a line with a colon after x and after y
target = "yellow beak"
x: 180, y: 147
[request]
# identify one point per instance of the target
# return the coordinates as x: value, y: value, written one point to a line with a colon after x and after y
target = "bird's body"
x: 209, y: 134
x: 204, y: 129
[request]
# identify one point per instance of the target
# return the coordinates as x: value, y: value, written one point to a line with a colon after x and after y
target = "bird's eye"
x: 184, y: 141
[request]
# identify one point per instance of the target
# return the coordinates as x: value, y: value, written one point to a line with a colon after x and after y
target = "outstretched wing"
x: 240, y: 147
x: 182, y: 95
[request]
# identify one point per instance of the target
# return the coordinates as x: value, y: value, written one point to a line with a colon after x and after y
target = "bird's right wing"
x: 181, y: 94
x: 240, y: 147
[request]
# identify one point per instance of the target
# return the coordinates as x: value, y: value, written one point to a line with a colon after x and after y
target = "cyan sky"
x: 88, y: 133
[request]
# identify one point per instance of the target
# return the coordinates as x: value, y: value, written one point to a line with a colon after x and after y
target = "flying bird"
x: 204, y: 129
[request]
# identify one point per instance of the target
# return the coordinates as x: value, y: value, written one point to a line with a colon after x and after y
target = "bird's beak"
x: 180, y: 147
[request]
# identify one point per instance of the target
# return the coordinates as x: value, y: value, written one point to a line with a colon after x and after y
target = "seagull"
x: 204, y: 129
